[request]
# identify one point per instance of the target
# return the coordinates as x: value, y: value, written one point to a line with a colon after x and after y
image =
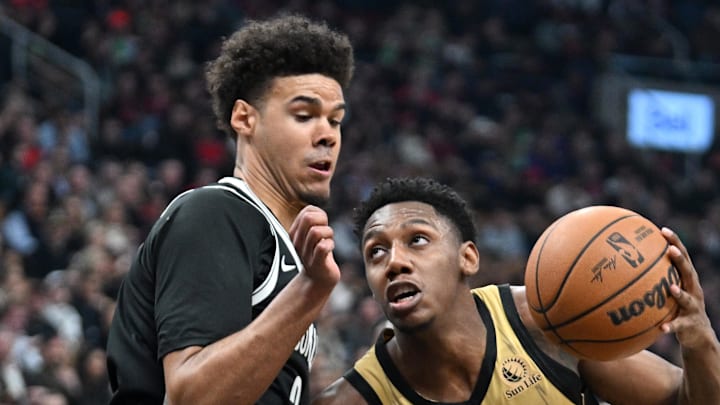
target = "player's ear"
x: 243, y: 118
x: 469, y: 258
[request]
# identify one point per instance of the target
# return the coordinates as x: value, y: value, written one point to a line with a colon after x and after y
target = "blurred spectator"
x: 57, y: 372
x: 12, y: 382
x: 93, y: 373
x: 64, y: 129
x: 24, y: 231
x: 59, y: 312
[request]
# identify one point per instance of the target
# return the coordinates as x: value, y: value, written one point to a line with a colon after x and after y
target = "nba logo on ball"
x: 628, y: 251
x: 598, y: 282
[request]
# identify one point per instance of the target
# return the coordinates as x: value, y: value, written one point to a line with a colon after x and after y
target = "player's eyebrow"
x: 314, y: 101
x: 416, y: 221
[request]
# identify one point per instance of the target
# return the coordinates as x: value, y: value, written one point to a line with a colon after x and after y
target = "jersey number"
x: 296, y: 391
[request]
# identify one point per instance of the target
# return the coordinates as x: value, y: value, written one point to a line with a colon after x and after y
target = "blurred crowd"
x: 494, y: 97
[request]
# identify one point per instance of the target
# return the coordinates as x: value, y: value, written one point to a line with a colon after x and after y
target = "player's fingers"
x: 324, y: 247
x: 315, y: 238
x: 685, y: 304
x: 681, y: 260
x: 673, y: 326
x: 688, y: 276
x: 310, y: 243
x: 296, y: 228
x: 300, y: 220
x: 323, y: 265
x: 691, y: 321
x: 308, y: 218
x: 683, y: 298
x: 674, y: 240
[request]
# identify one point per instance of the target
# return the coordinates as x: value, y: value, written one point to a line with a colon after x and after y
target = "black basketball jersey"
x: 212, y: 262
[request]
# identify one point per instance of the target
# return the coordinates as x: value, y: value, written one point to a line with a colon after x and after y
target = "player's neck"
x: 454, y: 360
x: 283, y: 210
x: 457, y: 338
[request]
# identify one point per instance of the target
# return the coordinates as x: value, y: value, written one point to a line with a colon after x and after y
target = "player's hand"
x: 692, y: 325
x: 313, y: 240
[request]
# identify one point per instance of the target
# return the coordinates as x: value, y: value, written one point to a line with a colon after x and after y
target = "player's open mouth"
x: 401, y: 292
x: 322, y: 166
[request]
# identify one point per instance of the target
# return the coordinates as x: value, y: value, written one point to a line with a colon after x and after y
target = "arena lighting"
x: 660, y: 104
x: 670, y: 120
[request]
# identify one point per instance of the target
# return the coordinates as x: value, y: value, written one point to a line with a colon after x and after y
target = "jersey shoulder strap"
x: 526, y: 372
x: 241, y: 190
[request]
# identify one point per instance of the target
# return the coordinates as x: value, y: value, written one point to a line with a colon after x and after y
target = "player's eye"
x: 375, y: 252
x: 420, y: 240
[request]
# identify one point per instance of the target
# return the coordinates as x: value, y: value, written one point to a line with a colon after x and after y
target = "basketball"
x: 598, y: 282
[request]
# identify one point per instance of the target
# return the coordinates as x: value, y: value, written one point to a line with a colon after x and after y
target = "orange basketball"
x: 598, y: 282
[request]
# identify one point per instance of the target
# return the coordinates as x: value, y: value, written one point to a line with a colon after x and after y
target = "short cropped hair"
x: 261, y: 51
x: 446, y: 201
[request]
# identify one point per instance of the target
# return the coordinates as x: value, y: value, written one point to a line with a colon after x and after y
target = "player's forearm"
x: 239, y: 368
x: 701, y: 380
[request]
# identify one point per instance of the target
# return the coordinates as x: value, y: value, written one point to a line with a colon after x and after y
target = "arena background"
x: 521, y: 105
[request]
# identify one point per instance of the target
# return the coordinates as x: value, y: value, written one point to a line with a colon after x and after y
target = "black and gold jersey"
x: 514, y: 370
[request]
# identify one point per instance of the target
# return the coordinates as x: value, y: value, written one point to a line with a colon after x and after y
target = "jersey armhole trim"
x: 490, y: 358
x: 261, y: 292
x: 362, y: 386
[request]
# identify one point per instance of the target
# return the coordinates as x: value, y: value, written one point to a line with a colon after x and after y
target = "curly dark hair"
x: 446, y: 201
x: 263, y: 50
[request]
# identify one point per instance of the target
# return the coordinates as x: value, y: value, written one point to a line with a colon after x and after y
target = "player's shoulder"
x: 214, y: 198
x: 340, y: 392
x: 518, y: 293
x: 218, y: 207
x: 219, y: 192
x: 507, y: 293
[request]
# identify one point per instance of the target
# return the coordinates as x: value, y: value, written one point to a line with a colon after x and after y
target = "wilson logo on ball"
x: 654, y: 298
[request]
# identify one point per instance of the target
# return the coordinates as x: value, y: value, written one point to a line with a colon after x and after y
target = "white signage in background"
x: 669, y: 120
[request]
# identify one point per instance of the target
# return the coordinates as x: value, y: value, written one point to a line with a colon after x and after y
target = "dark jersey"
x: 212, y: 262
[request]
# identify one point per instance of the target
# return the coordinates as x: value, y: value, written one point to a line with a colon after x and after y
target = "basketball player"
x: 218, y: 305
x: 451, y: 344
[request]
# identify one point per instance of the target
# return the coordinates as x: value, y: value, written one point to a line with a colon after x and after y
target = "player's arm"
x: 647, y: 379
x: 643, y: 378
x: 239, y: 368
x: 698, y: 341
x: 340, y: 392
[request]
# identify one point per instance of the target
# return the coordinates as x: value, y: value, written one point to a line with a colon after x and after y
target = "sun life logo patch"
x: 517, y: 375
x: 514, y: 369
